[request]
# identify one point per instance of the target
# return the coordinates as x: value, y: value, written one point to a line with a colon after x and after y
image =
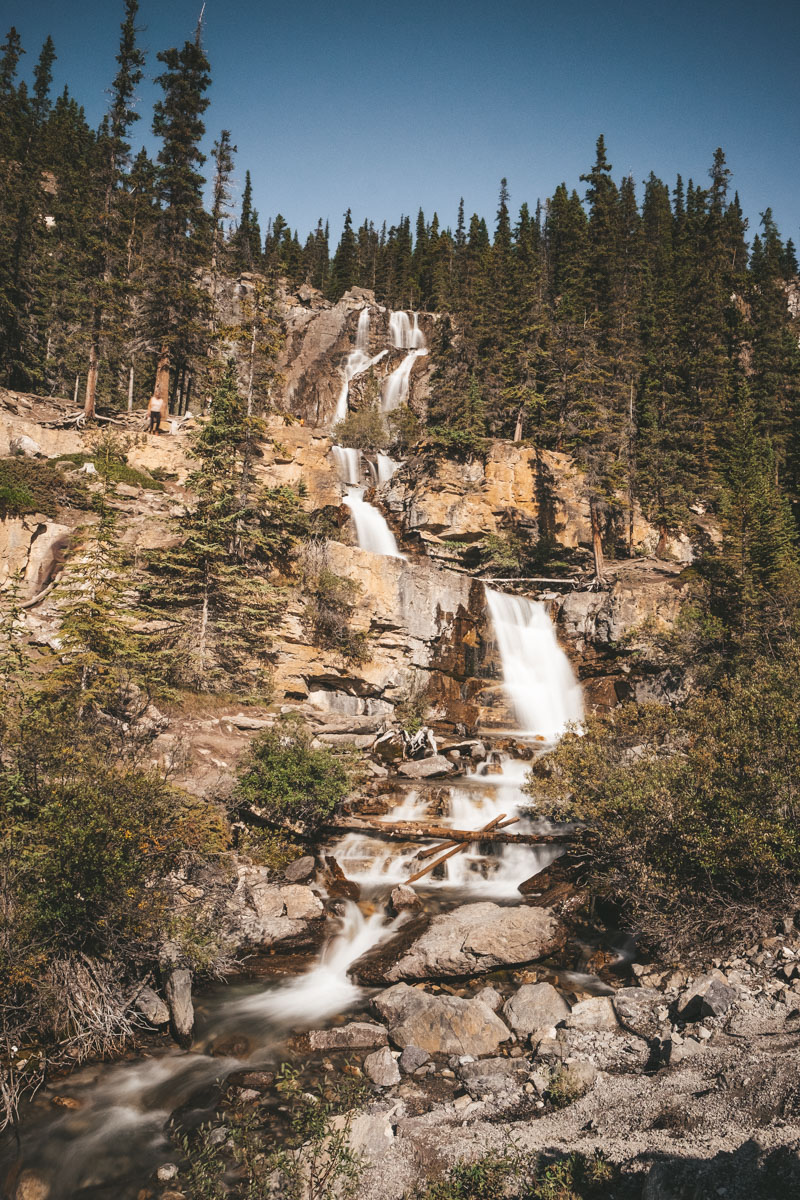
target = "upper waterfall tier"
x: 536, y: 672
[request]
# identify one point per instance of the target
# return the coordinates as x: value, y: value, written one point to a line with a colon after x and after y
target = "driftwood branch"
x: 423, y: 854
x: 459, y: 846
x: 526, y: 579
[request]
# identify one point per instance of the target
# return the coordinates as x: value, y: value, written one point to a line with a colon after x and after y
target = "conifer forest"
x: 400, y: 673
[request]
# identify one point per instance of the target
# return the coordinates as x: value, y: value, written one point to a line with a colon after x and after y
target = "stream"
x: 111, y: 1131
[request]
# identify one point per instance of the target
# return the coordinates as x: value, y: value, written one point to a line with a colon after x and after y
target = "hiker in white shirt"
x: 155, y: 409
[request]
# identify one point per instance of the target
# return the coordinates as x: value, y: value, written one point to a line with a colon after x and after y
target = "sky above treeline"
x: 383, y: 108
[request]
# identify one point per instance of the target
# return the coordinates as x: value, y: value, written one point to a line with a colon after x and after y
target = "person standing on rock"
x: 154, y: 409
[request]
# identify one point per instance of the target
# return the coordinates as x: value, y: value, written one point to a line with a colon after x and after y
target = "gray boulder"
x: 495, y: 1075
x: 535, y: 1006
x: 357, y: 1035
x: 708, y: 996
x: 426, y: 768
x: 636, y: 1009
x: 25, y: 446
x: 405, y: 899
x: 381, y: 1067
x: 178, y: 989
x: 152, y: 1007
x: 593, y: 1015
x: 475, y: 938
x: 440, y: 1024
x: 301, y: 870
x: 412, y: 1059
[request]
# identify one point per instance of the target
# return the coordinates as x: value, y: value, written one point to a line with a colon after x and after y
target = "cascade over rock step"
x: 470, y: 940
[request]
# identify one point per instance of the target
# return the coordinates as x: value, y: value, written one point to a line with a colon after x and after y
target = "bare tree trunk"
x: 661, y: 548
x: 597, y: 541
x: 518, y: 429
x: 77, y: 385
x: 130, y: 391
x: 161, y: 388
x: 94, y: 365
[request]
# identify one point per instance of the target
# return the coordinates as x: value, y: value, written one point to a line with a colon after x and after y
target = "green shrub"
x: 515, y: 1175
x: 329, y: 610
x: 29, y: 485
x: 691, y: 811
x: 114, y: 469
x: 289, y: 782
x: 363, y: 430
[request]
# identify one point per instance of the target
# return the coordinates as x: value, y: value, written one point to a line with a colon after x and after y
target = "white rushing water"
x: 372, y: 531
x: 348, y: 464
x: 357, y: 362
x: 536, y: 672
x: 406, y: 335
x: 386, y: 468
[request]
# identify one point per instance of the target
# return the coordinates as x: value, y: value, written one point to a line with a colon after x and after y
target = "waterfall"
x: 357, y: 361
x: 372, y: 532
x: 386, y: 468
x: 405, y: 335
x: 348, y: 464
x: 536, y: 672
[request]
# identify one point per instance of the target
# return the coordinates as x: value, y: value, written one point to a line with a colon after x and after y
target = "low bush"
x: 364, y: 429
x: 515, y: 1175
x: 692, y: 813
x: 288, y: 782
x: 31, y: 485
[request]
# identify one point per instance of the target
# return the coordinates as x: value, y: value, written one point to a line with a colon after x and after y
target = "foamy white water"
x: 348, y: 464
x: 386, y: 468
x: 372, y: 531
x: 405, y: 335
x: 536, y: 672
x: 357, y: 362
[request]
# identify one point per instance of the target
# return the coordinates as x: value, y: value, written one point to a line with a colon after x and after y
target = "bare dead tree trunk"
x: 161, y: 388
x: 94, y: 366
x: 130, y: 391
x: 597, y: 540
x: 75, y: 393
x: 518, y: 429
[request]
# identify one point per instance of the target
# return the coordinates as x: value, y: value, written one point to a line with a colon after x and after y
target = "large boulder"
x: 494, y: 1075
x: 426, y: 768
x: 709, y: 996
x: 636, y: 1009
x: 471, y: 939
x: 440, y: 1024
x: 381, y: 1067
x: 535, y: 1006
x: 260, y: 914
x: 178, y: 990
x: 357, y: 1035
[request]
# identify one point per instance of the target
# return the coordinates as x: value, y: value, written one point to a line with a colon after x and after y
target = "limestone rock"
x: 412, y: 1059
x: 301, y: 869
x: 577, y: 1078
x: 25, y: 446
x: 595, y: 1014
x: 474, y: 938
x: 426, y: 768
x: 152, y: 1007
x: 178, y: 989
x: 637, y: 1009
x: 301, y: 904
x: 708, y: 996
x: 440, y: 1024
x: 357, y: 1035
x: 535, y: 1006
x: 495, y: 1075
x: 381, y: 1067
x: 491, y: 998
x: 404, y: 899
x: 257, y: 912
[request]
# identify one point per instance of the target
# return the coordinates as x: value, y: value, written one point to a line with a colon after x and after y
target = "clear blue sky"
x: 385, y: 107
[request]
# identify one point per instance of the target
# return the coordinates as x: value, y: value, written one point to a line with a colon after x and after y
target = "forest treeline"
x: 637, y: 333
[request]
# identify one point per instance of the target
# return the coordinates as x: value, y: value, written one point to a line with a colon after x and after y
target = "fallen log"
x: 423, y: 854
x: 459, y: 846
x: 414, y: 831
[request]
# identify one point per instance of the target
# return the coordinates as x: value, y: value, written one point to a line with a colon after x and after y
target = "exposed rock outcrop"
x: 440, y: 1024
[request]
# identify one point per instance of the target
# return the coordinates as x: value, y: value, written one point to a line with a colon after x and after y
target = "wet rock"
x: 389, y: 747
x: 152, y: 1007
x: 381, y: 1067
x: 258, y: 1081
x: 337, y: 883
x: 358, y: 1035
x: 535, y: 1006
x: 178, y: 990
x: 32, y: 1185
x: 637, y: 1009
x: 708, y: 996
x: 301, y: 870
x: 595, y: 1014
x: 405, y: 899
x: 472, y: 939
x: 426, y: 768
x: 491, y: 998
x: 412, y: 1058
x: 440, y: 1024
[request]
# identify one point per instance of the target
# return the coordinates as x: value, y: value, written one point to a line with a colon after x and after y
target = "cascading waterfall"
x: 372, y: 531
x: 357, y: 362
x: 405, y: 335
x: 536, y: 672
x: 348, y: 464
x: 386, y: 468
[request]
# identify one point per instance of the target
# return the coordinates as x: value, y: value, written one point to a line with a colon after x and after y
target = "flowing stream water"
x: 118, y: 1131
